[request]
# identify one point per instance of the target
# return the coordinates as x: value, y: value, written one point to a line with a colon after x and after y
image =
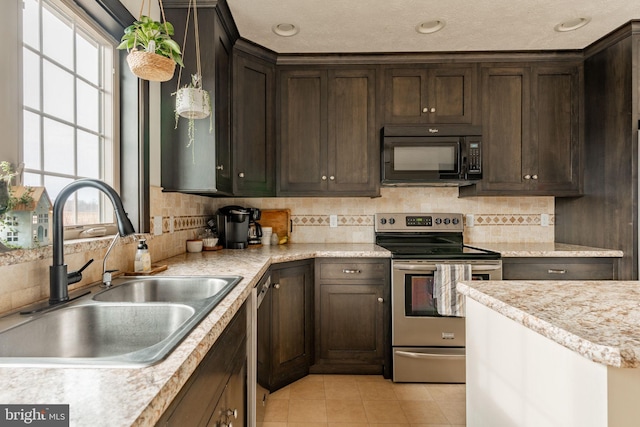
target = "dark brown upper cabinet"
x: 430, y: 94
x: 204, y: 166
x: 530, y: 130
x: 328, y: 142
x: 254, y: 127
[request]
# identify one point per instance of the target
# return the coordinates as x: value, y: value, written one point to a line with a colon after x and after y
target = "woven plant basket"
x: 151, y: 66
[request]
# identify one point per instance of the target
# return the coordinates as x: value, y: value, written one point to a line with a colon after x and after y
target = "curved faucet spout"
x: 58, y: 277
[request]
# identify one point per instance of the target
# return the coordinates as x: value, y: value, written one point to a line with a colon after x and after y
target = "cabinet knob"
x: 332, y: 178
x: 241, y: 175
x: 324, y: 177
x: 425, y: 110
x: 232, y: 413
x: 534, y: 177
x: 220, y: 167
x: 527, y: 176
x: 433, y: 110
x: 276, y: 285
x: 380, y: 299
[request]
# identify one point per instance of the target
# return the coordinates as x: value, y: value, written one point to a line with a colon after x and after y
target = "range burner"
x: 426, y: 236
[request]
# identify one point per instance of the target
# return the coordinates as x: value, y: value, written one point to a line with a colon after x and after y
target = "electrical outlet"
x: 171, y: 224
x: 470, y: 220
x: 333, y: 221
x: 157, y: 225
x: 544, y: 220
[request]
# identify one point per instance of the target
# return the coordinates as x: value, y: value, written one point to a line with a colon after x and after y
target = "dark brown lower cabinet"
x: 216, y: 391
x: 559, y: 268
x: 352, y: 316
x: 285, y: 325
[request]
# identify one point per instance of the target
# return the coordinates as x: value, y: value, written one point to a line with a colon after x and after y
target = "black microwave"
x: 431, y: 155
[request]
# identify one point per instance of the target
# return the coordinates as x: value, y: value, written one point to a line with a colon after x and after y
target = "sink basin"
x: 168, y: 289
x: 101, y: 332
x: 136, y: 323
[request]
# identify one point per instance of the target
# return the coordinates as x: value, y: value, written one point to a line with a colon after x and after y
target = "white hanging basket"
x: 193, y: 103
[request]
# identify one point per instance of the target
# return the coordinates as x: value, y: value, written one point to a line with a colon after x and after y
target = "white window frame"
x: 108, y: 134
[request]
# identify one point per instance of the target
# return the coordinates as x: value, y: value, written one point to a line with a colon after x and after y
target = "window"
x: 68, y: 106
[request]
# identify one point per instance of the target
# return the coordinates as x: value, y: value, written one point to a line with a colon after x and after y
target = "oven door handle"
x: 423, y: 267
x: 430, y: 355
x: 432, y: 267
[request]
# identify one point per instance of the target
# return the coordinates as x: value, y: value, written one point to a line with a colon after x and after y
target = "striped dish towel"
x: 448, y: 301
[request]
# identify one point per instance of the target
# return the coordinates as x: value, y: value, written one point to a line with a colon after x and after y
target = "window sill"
x: 18, y: 256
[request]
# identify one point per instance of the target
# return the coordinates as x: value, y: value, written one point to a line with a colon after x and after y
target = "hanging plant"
x: 192, y: 101
x: 160, y: 53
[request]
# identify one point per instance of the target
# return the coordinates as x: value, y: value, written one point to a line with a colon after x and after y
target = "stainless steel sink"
x: 167, y: 289
x: 138, y: 322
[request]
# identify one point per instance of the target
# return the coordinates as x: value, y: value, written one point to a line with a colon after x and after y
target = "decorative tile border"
x: 182, y: 223
x: 480, y: 220
x: 510, y: 220
x: 323, y: 220
x: 194, y: 222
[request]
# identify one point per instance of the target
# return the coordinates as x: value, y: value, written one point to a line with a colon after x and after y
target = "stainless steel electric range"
x: 428, y: 347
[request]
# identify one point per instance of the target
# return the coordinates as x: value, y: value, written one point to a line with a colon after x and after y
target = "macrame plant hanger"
x: 192, y: 101
x: 148, y: 65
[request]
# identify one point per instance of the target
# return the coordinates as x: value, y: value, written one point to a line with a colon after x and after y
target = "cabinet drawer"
x: 558, y: 268
x: 352, y: 270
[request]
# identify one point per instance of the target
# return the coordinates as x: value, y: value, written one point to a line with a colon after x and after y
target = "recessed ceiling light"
x: 572, y: 24
x: 285, y: 30
x: 429, y: 27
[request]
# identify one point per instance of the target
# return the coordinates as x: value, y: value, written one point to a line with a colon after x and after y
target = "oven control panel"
x: 416, y: 222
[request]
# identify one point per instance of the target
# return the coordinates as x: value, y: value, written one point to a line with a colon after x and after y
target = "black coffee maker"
x: 233, y: 226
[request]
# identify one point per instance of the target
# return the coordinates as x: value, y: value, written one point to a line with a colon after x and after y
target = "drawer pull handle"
x: 555, y: 271
x: 347, y: 271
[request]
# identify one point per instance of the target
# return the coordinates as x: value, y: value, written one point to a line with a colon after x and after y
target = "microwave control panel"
x: 474, y: 154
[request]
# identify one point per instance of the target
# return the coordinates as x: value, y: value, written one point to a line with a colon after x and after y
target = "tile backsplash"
x: 25, y: 273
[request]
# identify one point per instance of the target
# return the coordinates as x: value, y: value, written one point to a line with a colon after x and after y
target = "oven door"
x: 415, y: 319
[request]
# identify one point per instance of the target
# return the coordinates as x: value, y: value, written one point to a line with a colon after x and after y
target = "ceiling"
x: 342, y: 26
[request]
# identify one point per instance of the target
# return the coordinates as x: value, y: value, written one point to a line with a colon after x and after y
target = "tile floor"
x: 364, y: 400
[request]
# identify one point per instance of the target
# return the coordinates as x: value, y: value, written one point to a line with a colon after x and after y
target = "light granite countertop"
x: 550, y: 249
x: 106, y: 396
x: 599, y: 320
x: 103, y: 396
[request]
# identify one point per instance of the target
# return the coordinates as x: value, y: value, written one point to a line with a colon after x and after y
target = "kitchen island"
x: 545, y: 353
x: 107, y: 396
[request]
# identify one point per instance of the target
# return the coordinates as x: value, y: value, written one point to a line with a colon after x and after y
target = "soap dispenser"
x: 142, y: 262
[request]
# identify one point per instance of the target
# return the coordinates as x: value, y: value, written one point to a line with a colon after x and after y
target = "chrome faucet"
x: 59, y: 279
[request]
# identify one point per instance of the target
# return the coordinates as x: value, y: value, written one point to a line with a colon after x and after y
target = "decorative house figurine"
x: 27, y: 223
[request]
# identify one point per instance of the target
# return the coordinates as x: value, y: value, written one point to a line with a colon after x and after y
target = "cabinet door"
x: 353, y: 150
x: 555, y: 130
x: 199, y: 167
x: 222, y: 100
x: 291, y: 324
x: 434, y: 94
x: 184, y: 166
x: 351, y: 323
x: 303, y: 136
x: 254, y: 149
x: 405, y: 91
x: 505, y: 127
x: 451, y: 95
